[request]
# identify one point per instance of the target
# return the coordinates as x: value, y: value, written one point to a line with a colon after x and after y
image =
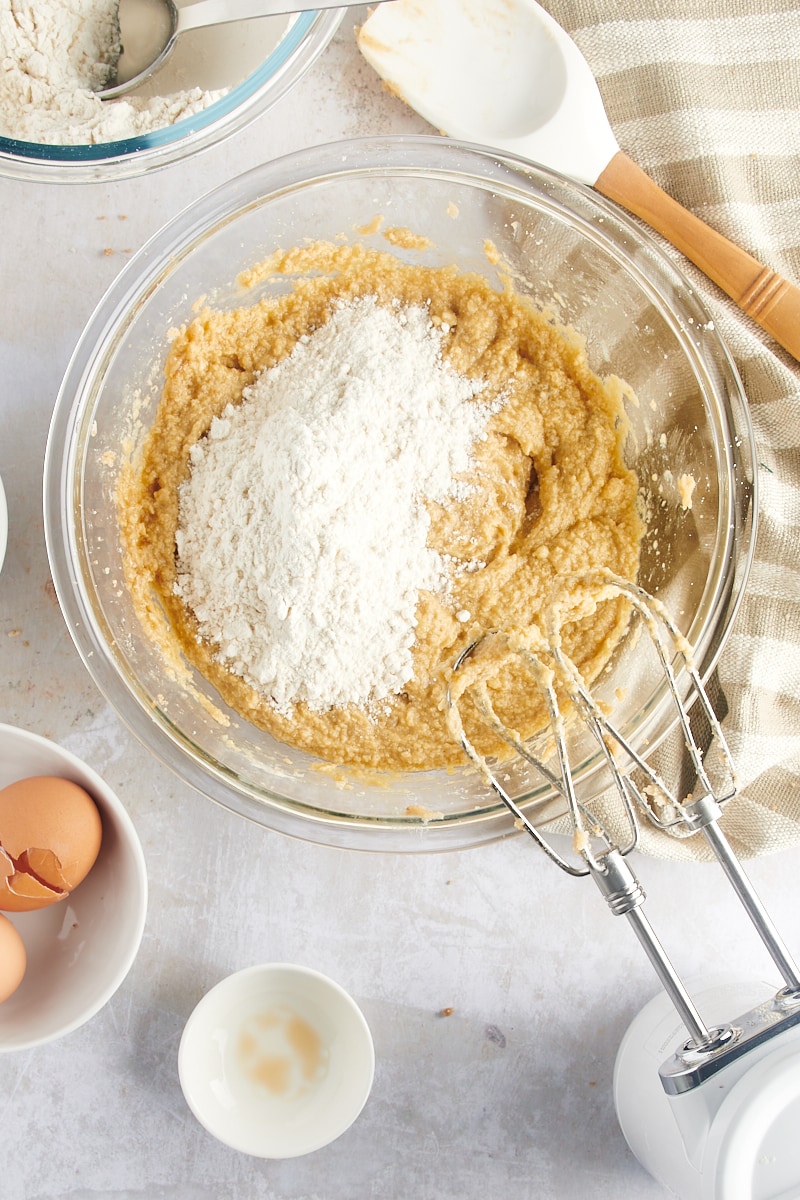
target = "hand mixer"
x: 719, y: 1119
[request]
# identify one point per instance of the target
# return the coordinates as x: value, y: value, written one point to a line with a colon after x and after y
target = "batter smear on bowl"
x: 347, y: 483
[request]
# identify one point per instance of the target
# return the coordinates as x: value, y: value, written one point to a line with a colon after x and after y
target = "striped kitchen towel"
x: 706, y: 99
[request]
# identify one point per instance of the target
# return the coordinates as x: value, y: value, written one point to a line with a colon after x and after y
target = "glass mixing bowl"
x: 568, y: 249
x: 257, y: 61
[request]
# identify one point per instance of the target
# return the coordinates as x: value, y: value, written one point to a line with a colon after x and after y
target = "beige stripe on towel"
x: 708, y: 103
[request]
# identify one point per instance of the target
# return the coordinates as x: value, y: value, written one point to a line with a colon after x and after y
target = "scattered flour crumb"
x: 686, y: 486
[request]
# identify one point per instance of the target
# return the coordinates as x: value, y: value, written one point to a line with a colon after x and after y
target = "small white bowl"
x: 80, y: 949
x: 276, y: 1061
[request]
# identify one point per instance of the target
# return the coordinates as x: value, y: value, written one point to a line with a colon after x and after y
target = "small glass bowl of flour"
x: 54, y: 57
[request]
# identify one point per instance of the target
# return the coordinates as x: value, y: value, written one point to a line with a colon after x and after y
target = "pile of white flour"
x: 54, y: 54
x: 302, y: 542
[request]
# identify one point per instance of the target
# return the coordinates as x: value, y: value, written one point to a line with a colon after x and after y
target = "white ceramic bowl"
x: 257, y: 61
x: 80, y: 949
x: 276, y: 1061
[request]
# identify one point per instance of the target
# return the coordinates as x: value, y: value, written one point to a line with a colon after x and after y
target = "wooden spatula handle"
x: 771, y: 301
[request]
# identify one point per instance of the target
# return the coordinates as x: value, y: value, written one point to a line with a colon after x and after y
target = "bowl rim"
x: 3, y: 524
x: 81, y: 772
x: 389, y: 155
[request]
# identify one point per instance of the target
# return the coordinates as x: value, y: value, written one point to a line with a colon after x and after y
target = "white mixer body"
x: 736, y: 1135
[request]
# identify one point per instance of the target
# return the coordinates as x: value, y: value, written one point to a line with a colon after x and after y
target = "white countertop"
x: 511, y: 1094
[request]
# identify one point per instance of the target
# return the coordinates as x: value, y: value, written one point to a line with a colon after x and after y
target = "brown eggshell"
x: 13, y: 959
x: 50, y: 833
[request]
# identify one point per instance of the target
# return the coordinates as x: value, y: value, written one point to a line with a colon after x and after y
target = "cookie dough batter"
x: 550, y: 494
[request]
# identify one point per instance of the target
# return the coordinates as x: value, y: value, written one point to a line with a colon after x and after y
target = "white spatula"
x: 505, y: 74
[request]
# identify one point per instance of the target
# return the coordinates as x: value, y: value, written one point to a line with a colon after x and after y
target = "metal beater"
x: 642, y: 794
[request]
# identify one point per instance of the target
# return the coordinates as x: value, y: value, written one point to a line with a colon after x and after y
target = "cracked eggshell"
x: 50, y: 834
x: 13, y: 959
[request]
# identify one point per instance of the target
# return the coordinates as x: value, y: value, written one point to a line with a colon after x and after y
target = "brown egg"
x: 13, y: 959
x: 50, y: 833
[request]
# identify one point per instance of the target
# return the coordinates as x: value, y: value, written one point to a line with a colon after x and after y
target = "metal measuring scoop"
x: 149, y: 30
